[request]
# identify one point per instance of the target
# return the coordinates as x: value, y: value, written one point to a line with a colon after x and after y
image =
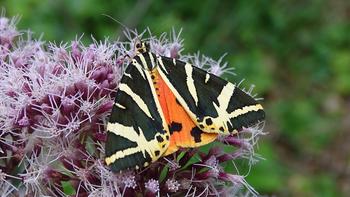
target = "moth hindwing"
x: 163, y: 104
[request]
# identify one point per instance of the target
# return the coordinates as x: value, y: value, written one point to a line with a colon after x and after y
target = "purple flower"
x: 172, y: 185
x: 152, y: 186
x: 55, y: 102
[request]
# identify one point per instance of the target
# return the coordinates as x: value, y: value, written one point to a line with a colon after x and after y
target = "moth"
x: 163, y: 104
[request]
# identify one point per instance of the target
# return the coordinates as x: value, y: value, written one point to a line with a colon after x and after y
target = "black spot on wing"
x: 156, y: 153
x: 160, y: 139
x: 175, y: 126
x: 196, y: 133
x: 209, y: 121
x: 162, y: 131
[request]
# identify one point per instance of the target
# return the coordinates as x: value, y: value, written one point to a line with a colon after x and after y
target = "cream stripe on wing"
x: 207, y: 76
x: 125, y: 88
x: 152, y: 59
x: 139, y: 68
x: 129, y: 133
x: 190, y: 82
x: 122, y: 153
x: 143, y: 61
x: 128, y: 75
x: 245, y: 109
x: 160, y: 61
x: 223, y: 98
x: 120, y: 106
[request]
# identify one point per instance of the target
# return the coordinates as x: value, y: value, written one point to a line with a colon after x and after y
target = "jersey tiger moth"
x: 163, y: 104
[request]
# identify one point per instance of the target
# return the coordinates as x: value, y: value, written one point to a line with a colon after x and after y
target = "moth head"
x: 141, y: 47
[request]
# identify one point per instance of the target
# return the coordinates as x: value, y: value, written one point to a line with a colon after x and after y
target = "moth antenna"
x: 115, y: 20
x: 126, y: 28
x: 128, y: 34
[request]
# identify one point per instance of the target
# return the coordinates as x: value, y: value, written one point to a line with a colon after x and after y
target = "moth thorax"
x: 142, y: 47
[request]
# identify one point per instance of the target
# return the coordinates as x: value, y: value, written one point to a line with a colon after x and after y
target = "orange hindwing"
x: 183, y: 131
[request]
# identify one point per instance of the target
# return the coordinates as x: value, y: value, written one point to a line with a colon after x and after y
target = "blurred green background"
x: 297, y: 53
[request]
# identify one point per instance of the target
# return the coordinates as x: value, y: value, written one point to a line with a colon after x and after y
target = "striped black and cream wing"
x: 214, y: 104
x: 137, y: 133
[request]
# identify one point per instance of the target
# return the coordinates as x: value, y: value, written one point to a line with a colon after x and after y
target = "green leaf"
x: 68, y: 189
x: 163, y: 173
x: 180, y: 156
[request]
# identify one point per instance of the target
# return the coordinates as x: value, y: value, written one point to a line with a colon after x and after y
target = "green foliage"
x: 68, y: 188
x: 297, y: 53
x: 268, y: 175
x: 163, y: 174
x: 341, y: 70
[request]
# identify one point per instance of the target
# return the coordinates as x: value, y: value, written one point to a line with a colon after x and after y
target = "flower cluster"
x: 54, y: 105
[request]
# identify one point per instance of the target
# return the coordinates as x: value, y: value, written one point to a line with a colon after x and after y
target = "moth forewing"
x: 136, y: 132
x: 215, y: 105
